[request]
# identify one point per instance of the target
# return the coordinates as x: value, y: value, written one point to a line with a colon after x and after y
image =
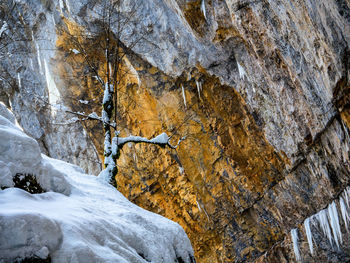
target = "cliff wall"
x: 260, y: 89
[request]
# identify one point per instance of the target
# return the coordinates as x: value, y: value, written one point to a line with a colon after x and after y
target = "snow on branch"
x: 161, y: 139
x: 91, y: 116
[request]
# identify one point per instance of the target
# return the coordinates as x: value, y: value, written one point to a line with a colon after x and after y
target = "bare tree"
x: 104, y: 37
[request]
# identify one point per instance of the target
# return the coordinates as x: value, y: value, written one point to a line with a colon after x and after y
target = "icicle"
x: 110, y: 68
x: 323, y: 220
x: 31, y: 64
x: 19, y: 80
x: 198, y: 88
x: 54, y: 94
x: 334, y: 222
x: 241, y: 71
x: 67, y: 5
x: 344, y: 212
x: 39, y: 58
x: 3, y: 28
x: 61, y: 5
x: 309, y: 234
x: 199, y: 208
x: 38, y: 54
x: 203, y: 9
x: 294, y: 234
x: 184, y: 95
x: 181, y: 170
x: 346, y: 195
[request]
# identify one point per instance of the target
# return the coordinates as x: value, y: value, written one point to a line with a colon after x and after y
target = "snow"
x: 203, y: 9
x: 309, y: 234
x: 75, y: 51
x: 79, y: 218
x: 84, y: 102
x: 183, y: 95
x: 106, y: 94
x: 94, y: 115
x: 162, y: 138
x: 294, y: 234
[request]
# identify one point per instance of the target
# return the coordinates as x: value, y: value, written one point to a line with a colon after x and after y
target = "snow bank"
x: 78, y: 218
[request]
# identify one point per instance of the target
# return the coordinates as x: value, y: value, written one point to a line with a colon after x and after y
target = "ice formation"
x: 19, y: 80
x: 241, y: 71
x: 334, y: 222
x: 183, y: 95
x: 199, y: 88
x: 54, y: 94
x: 328, y: 220
x: 344, y: 212
x: 203, y: 9
x: 3, y: 28
x: 77, y: 218
x: 323, y: 221
x: 309, y: 234
x: 294, y: 234
x: 38, y: 54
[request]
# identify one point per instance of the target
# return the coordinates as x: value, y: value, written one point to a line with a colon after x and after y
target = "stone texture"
x: 27, y: 67
x: 265, y: 148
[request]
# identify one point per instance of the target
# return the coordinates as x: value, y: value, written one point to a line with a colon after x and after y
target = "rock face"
x: 265, y: 111
x: 29, y: 86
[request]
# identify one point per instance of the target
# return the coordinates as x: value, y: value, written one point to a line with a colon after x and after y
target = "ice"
x: 3, y: 28
x: 199, y: 88
x: 181, y: 170
x: 133, y: 71
x: 344, y: 212
x: 38, y: 54
x: 54, y: 94
x: 323, y: 220
x: 61, y: 5
x: 19, y: 80
x: 183, y: 95
x: 294, y: 234
x: 203, y: 9
x: 199, y: 207
x: 309, y: 234
x: 334, y: 222
x: 79, y: 218
x: 241, y: 71
x: 67, y: 5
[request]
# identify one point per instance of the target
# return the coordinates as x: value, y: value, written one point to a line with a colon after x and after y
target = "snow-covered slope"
x: 78, y: 218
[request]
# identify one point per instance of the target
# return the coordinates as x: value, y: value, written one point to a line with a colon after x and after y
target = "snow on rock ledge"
x: 79, y: 218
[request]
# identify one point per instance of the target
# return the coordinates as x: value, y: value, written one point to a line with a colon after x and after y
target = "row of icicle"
x: 328, y: 221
